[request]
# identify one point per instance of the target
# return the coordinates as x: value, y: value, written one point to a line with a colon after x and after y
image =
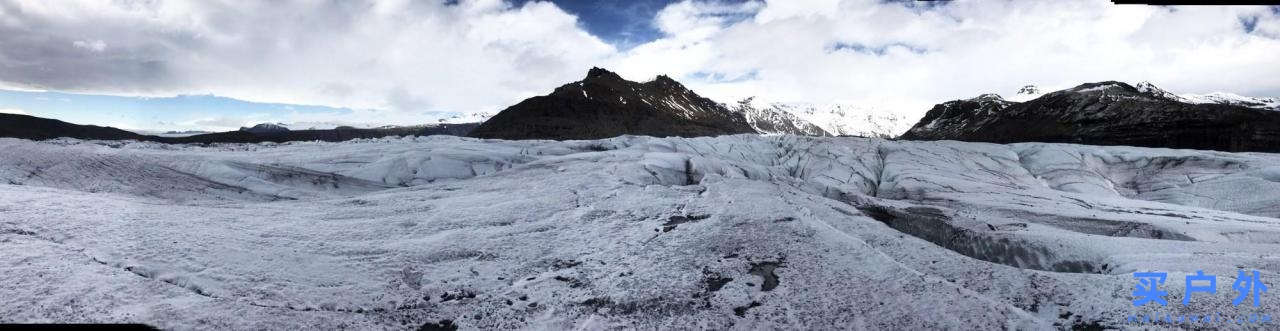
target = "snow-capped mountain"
x: 476, y: 117
x: 845, y: 119
x: 1268, y: 103
x: 770, y: 120
x: 1026, y: 92
x: 1150, y: 89
x: 605, y: 105
x: 1029, y: 90
x: 1104, y: 113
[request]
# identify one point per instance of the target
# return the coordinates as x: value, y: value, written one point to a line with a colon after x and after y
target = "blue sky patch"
x: 179, y: 112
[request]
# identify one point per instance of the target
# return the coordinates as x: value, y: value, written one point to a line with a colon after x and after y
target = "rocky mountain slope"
x: 36, y: 128
x: 1105, y: 113
x: 604, y: 105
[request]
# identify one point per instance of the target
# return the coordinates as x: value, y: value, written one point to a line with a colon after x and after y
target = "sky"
x: 222, y: 64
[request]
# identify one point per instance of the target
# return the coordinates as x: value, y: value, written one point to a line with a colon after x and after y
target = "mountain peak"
x: 665, y: 80
x: 988, y: 97
x: 597, y: 72
x: 605, y: 105
x: 1150, y: 89
x: 1109, y: 85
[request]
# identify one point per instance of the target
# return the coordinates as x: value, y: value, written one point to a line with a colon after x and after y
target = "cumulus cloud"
x: 399, y: 55
x: 393, y: 60
x: 13, y: 111
x: 903, y: 58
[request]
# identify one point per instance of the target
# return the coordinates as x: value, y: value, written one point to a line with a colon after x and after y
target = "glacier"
x: 741, y: 231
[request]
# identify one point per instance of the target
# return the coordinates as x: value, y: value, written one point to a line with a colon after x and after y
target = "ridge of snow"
x: 1151, y: 89
x: 1026, y: 92
x: 1227, y: 98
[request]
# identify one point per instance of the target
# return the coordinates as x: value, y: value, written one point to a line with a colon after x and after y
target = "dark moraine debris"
x: 715, y: 281
x: 676, y: 220
x: 443, y: 325
x: 564, y: 264
x: 765, y: 270
x: 742, y: 310
x: 447, y: 296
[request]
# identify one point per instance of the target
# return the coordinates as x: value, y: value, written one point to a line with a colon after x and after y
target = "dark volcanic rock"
x: 604, y: 105
x: 1106, y: 113
x: 266, y: 128
x: 36, y: 128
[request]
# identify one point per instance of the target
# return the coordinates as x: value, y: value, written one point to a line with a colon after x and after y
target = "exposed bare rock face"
x: 1106, y: 113
x: 605, y: 105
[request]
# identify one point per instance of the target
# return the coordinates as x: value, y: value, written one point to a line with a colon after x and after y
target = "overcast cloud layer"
x: 395, y: 60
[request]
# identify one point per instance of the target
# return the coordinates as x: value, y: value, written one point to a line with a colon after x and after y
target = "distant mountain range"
x: 1029, y: 92
x: 846, y: 119
x: 1108, y: 113
x: 604, y: 105
x: 36, y: 128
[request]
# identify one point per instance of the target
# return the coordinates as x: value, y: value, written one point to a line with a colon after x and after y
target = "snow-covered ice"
x: 739, y: 231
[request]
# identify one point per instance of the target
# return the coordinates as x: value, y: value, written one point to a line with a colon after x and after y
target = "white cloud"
x: 394, y: 60
x: 905, y: 59
x: 13, y: 111
x: 406, y: 56
x: 95, y: 46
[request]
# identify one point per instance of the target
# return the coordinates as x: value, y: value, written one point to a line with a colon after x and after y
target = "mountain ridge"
x: 604, y: 105
x: 1104, y: 113
x: 39, y: 128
